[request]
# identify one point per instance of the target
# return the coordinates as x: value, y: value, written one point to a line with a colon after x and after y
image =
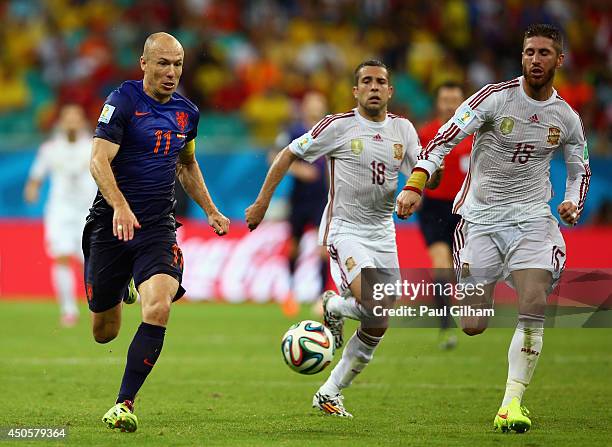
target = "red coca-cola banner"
x: 244, y: 265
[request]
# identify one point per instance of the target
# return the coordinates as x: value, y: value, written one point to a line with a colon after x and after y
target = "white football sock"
x: 63, y: 283
x: 357, y: 354
x: 347, y: 307
x: 523, y: 355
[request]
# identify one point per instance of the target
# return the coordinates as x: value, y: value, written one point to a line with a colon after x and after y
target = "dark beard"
x: 542, y: 82
x: 373, y: 111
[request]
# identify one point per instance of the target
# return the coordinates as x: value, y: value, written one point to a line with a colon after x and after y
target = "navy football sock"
x: 142, y: 355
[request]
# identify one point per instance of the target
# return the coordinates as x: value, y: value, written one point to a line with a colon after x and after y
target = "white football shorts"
x: 349, y: 254
x: 492, y: 252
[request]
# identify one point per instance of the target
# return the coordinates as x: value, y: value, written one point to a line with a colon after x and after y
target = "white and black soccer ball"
x: 308, y: 347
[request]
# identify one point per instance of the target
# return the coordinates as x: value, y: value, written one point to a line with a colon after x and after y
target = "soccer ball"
x: 308, y: 347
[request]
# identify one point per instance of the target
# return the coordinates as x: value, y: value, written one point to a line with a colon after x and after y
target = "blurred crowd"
x: 249, y: 62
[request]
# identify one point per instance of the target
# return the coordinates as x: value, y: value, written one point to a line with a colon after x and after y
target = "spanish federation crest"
x: 506, y: 125
x: 357, y: 146
x: 398, y: 151
x: 554, y: 133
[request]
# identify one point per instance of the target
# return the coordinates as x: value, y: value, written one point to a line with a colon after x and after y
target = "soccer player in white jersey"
x: 65, y: 158
x: 507, y: 229
x: 366, y: 149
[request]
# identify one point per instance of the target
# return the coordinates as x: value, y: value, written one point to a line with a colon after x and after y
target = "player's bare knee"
x: 105, y: 336
x: 103, y: 339
x: 533, y: 303
x: 156, y: 313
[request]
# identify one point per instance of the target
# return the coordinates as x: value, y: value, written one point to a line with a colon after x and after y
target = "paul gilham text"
x: 426, y: 311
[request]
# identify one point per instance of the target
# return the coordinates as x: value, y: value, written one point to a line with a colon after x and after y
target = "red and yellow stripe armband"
x: 417, y: 181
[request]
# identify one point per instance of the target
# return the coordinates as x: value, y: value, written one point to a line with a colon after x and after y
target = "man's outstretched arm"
x: 190, y: 176
x: 255, y: 213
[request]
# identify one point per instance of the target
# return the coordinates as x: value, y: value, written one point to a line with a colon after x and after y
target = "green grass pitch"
x: 221, y: 380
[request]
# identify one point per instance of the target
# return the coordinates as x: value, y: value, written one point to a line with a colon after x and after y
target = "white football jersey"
x: 72, y: 188
x: 515, y: 138
x: 364, y: 160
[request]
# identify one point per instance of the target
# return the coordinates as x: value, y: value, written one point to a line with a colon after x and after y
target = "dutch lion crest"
x: 182, y: 119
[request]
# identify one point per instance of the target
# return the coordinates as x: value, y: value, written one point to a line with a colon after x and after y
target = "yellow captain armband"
x: 188, y: 152
x: 417, y: 181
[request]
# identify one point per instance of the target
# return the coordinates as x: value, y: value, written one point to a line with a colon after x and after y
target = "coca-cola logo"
x: 247, y: 265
